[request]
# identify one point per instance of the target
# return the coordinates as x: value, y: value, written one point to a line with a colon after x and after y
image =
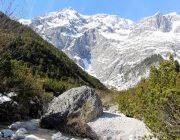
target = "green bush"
x: 156, y: 100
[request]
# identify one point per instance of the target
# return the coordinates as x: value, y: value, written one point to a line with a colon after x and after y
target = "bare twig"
x: 12, y: 7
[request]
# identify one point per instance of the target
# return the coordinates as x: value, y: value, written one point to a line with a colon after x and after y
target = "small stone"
x: 32, y: 137
x: 1, y: 136
x: 118, y: 112
x: 131, y: 137
x: 56, y: 136
x: 65, y: 138
x: 22, y: 131
x: 15, y: 126
x: 17, y: 136
x: 73, y: 139
x: 6, y: 133
x: 119, y: 137
x: 26, y: 125
x: 106, y: 137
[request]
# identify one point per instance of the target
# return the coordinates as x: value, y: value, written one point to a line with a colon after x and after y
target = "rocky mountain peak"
x: 161, y: 22
x: 111, y: 21
x: 158, y: 14
x: 157, y: 22
x: 173, y: 17
x: 59, y: 18
x: 69, y: 12
x: 173, y: 14
x: 69, y: 8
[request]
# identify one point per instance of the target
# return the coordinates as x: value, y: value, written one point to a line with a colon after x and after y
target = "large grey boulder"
x: 80, y: 102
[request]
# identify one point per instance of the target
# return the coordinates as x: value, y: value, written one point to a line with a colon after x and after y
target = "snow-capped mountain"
x: 117, y: 51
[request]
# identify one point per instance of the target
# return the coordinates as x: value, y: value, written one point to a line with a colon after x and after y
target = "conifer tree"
x: 157, y: 100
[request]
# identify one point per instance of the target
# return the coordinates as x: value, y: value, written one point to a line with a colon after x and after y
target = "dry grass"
x: 78, y: 127
x: 108, y: 98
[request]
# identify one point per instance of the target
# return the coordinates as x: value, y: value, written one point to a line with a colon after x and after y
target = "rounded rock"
x: 56, y: 136
x: 22, y: 131
x: 17, y: 136
x: 6, y: 133
x: 82, y: 102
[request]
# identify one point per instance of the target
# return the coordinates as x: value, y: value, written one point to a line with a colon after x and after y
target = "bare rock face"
x: 80, y: 102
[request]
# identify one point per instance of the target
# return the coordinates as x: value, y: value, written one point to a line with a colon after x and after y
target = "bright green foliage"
x: 156, y: 100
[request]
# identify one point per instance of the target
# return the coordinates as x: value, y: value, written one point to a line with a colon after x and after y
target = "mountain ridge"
x: 107, y: 46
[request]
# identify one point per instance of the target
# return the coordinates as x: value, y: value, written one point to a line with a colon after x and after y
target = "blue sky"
x: 131, y: 9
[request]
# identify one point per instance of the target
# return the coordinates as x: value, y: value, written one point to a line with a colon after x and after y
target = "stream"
x: 34, y: 129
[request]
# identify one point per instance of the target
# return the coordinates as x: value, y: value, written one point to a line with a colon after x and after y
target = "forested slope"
x: 156, y: 100
x: 33, y: 68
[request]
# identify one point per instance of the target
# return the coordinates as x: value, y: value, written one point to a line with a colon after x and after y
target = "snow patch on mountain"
x: 86, y: 63
x: 25, y: 21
